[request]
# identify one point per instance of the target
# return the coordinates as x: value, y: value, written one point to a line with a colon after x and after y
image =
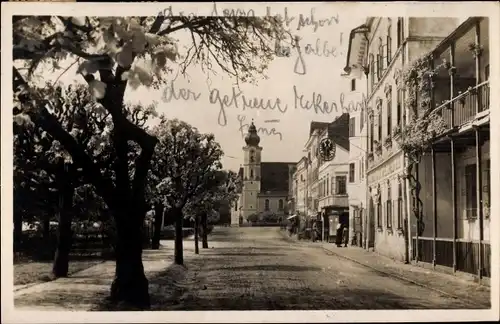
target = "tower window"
x: 266, y: 205
x: 251, y: 174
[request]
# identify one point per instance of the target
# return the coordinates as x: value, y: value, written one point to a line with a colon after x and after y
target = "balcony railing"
x: 464, y: 107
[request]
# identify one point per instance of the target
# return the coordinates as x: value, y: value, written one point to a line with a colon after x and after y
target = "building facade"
x: 452, y: 207
x: 333, y: 204
x: 379, y: 50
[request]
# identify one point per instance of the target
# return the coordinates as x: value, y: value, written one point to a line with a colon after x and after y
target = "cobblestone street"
x: 260, y: 269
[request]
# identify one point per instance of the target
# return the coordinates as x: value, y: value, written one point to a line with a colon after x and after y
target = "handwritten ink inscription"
x: 243, y: 129
x: 238, y: 100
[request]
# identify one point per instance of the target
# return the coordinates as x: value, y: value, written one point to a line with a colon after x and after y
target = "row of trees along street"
x: 82, y: 152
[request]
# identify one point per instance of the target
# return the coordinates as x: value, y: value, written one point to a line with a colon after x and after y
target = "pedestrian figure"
x: 345, y: 235
x: 338, y: 237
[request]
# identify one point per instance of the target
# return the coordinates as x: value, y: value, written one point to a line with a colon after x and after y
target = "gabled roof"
x: 338, y: 131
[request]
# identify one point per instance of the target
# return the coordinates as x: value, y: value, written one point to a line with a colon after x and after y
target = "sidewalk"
x: 86, y: 290
x: 440, y: 282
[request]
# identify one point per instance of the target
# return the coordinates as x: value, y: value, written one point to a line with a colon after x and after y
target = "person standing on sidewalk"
x: 338, y: 237
x: 345, y: 235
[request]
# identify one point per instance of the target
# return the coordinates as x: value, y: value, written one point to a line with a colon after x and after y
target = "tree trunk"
x: 155, y: 242
x: 64, y: 235
x: 196, y: 234
x: 179, y: 253
x: 204, y: 221
x: 18, y: 231
x: 130, y: 284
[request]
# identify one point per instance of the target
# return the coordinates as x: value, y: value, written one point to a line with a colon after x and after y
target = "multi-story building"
x: 333, y: 204
x: 453, y: 203
x: 300, y: 185
x: 380, y: 49
x: 358, y: 144
x: 312, y: 161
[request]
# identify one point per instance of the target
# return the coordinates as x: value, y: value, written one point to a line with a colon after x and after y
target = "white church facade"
x: 266, y: 185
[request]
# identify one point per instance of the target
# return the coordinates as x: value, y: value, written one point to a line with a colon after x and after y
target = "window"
x: 236, y: 205
x: 266, y: 205
x: 487, y: 72
x: 372, y: 71
x: 471, y: 190
x: 388, y: 206
x: 280, y: 204
x: 378, y: 74
x: 341, y: 185
x: 353, y: 84
x: 352, y: 172
x: 352, y: 127
x: 398, y: 107
x: 372, y: 134
x: 400, y: 205
x: 327, y: 185
x: 380, y: 58
x: 389, y: 110
x: 400, y: 32
x: 332, y: 183
x: 389, y: 42
x: 379, y: 212
x: 251, y: 173
x: 380, y: 125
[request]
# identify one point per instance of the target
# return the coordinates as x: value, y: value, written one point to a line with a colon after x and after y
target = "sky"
x: 283, y: 135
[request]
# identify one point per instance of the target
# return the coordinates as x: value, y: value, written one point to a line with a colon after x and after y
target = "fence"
x: 465, y: 252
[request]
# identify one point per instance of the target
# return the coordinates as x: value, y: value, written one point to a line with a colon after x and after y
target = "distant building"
x: 267, y: 186
x: 333, y: 207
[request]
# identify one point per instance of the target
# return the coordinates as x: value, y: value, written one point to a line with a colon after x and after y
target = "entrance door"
x: 358, y: 227
x: 371, y: 224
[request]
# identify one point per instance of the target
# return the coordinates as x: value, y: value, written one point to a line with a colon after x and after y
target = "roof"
x: 338, y: 131
x: 359, y: 42
x: 316, y: 125
x: 274, y: 176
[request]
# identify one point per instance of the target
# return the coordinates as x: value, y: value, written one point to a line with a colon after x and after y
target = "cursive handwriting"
x: 170, y: 93
x: 319, y: 106
x: 261, y: 130
x: 316, y: 23
x: 238, y: 100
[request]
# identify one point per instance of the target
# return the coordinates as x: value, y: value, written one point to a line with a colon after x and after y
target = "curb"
x: 390, y: 274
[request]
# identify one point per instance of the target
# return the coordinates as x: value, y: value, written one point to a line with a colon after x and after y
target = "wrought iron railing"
x: 465, y: 107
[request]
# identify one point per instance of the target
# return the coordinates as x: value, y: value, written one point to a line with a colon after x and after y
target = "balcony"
x: 335, y: 200
x: 461, y: 84
x: 467, y: 106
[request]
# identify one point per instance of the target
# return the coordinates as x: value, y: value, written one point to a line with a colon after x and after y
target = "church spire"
x: 252, y: 138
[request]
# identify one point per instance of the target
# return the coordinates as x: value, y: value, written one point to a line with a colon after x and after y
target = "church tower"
x: 251, y: 172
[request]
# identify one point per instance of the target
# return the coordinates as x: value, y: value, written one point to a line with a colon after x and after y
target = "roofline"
x: 461, y: 30
x: 362, y: 29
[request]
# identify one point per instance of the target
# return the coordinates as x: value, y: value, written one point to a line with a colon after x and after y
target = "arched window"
x: 280, y: 204
x: 251, y: 173
x: 236, y: 205
x: 266, y: 205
